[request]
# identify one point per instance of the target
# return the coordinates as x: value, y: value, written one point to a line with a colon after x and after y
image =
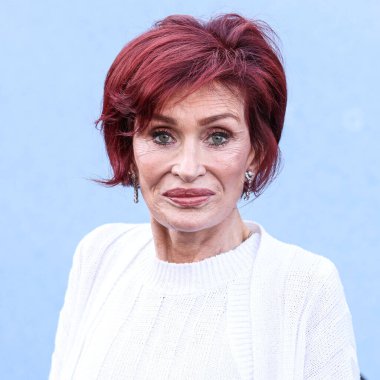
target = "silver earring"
x: 248, y: 181
x: 135, y: 187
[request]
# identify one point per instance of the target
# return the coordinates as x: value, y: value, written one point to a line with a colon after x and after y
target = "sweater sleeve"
x: 65, y: 324
x: 330, y: 341
x: 87, y: 259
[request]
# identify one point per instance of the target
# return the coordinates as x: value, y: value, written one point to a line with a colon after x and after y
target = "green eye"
x: 218, y: 138
x: 162, y: 138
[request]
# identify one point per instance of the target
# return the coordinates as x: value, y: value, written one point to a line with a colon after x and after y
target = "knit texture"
x: 264, y: 310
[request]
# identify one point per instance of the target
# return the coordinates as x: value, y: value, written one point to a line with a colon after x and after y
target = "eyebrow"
x: 204, y: 121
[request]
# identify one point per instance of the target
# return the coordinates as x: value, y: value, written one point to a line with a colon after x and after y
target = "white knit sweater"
x: 264, y: 310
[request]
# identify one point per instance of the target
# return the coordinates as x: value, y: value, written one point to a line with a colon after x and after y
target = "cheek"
x: 232, y: 160
x: 150, y: 163
x: 142, y: 151
x: 145, y: 156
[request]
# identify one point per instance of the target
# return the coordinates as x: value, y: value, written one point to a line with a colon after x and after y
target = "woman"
x: 192, y: 116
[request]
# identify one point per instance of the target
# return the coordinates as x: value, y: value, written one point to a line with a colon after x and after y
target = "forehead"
x: 207, y: 100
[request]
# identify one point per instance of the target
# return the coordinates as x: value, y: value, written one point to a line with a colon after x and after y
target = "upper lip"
x: 185, y: 193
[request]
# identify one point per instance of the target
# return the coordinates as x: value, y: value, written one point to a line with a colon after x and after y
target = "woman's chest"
x: 140, y: 334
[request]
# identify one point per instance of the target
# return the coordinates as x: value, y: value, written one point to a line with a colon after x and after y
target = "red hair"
x: 181, y: 52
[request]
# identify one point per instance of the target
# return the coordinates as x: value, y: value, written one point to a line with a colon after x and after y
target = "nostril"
x: 188, y: 172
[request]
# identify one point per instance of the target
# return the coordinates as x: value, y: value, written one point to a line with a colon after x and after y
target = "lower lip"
x: 190, y: 201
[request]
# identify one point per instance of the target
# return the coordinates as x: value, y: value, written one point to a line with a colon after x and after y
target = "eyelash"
x: 218, y: 132
x: 159, y: 132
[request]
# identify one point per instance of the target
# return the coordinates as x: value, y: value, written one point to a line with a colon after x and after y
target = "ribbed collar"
x: 201, y: 276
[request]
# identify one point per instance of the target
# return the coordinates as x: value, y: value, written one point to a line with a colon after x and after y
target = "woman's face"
x: 192, y: 158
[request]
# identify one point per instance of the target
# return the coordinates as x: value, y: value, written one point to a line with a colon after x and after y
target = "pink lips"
x: 189, y: 197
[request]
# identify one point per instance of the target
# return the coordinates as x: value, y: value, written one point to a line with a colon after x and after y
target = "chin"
x: 188, y: 221
x: 191, y: 219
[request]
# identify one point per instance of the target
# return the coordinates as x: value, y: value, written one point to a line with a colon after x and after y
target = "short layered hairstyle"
x: 181, y: 53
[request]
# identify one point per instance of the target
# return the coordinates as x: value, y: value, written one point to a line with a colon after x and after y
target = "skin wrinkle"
x: 189, y: 161
x: 205, y: 121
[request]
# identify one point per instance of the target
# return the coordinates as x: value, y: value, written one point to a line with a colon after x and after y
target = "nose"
x: 188, y: 165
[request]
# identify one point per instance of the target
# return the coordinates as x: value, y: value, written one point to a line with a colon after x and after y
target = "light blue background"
x: 54, y: 58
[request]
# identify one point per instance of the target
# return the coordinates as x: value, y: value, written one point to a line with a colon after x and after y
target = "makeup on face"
x: 192, y: 157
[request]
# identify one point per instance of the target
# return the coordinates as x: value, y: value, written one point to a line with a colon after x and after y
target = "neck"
x: 186, y: 247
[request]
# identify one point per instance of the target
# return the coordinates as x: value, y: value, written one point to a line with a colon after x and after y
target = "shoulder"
x: 109, y: 232
x: 107, y: 235
x: 300, y: 294
x: 291, y: 283
x: 101, y: 254
x: 109, y: 243
x: 287, y: 255
x: 293, y: 269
